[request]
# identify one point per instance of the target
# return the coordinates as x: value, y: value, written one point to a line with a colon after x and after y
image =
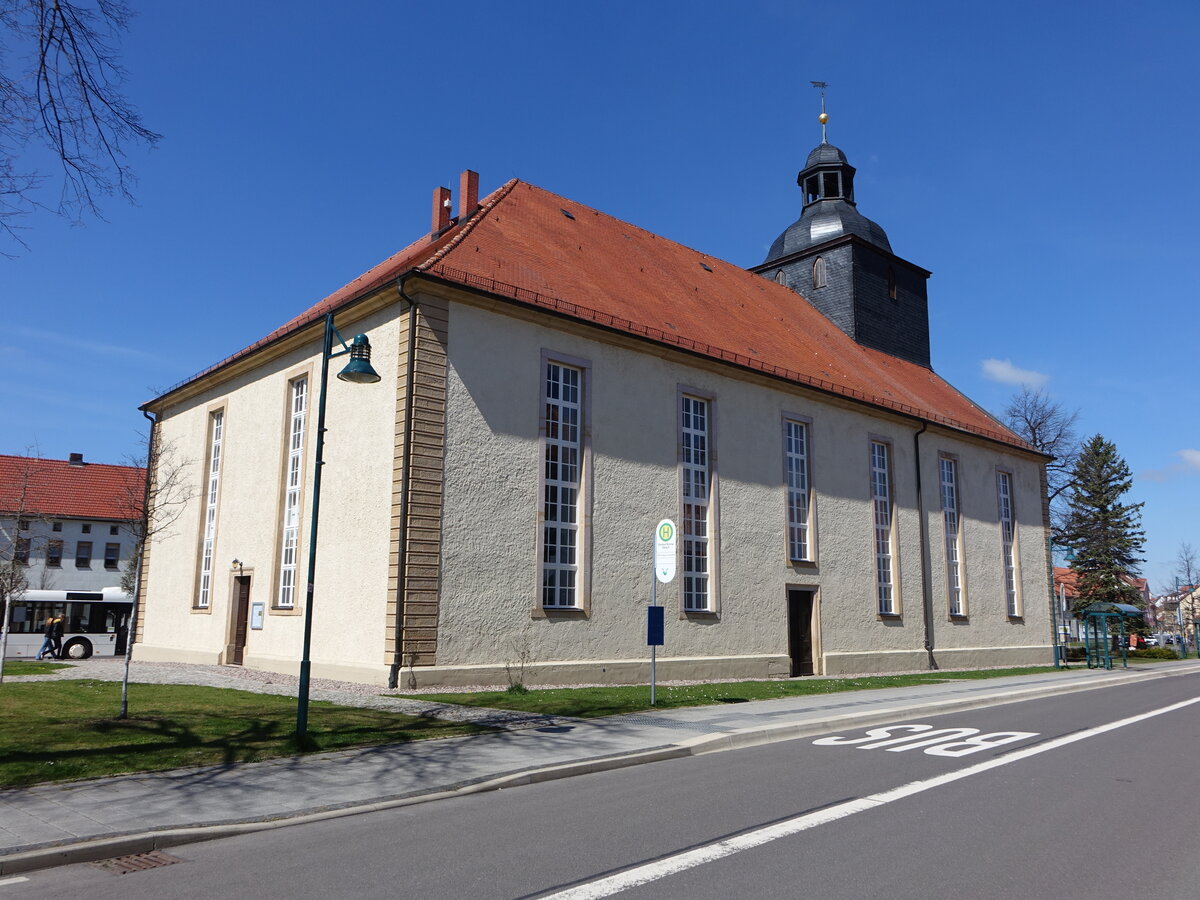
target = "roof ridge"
x: 492, y: 200
x: 65, y: 462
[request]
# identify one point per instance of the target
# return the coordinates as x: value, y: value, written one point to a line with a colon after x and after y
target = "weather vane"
x: 824, y: 117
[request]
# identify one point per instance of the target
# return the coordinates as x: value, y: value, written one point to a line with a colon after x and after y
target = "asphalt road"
x: 1076, y: 802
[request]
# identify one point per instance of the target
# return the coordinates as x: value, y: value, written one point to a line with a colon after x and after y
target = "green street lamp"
x: 357, y: 371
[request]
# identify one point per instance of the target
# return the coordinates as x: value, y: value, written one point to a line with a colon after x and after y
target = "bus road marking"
x: 671, y: 865
x: 953, y: 742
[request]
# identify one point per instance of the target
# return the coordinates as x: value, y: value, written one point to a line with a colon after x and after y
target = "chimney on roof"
x: 75, y: 459
x: 468, y: 193
x: 441, y: 209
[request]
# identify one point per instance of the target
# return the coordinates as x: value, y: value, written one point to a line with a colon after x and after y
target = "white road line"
x: 622, y: 881
x: 4, y: 882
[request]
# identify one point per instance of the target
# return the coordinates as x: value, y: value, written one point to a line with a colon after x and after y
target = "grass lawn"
x: 31, y: 667
x: 65, y: 730
x: 592, y: 702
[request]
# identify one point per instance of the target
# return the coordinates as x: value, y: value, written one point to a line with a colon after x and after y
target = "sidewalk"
x: 57, y: 824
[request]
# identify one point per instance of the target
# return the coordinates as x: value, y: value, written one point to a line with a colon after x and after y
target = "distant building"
x: 65, y: 520
x: 554, y: 382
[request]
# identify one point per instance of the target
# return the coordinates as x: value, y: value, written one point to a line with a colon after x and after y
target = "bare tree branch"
x: 60, y: 87
x: 1050, y: 428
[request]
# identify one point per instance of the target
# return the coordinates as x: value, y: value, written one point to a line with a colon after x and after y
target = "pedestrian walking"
x: 48, y: 638
x: 56, y: 636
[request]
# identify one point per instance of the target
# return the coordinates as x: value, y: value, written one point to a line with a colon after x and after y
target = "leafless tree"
x: 60, y: 90
x: 1050, y: 428
x: 14, y: 549
x: 152, y: 505
x: 1187, y: 581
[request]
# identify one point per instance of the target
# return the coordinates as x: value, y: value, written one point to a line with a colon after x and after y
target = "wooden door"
x: 241, y: 618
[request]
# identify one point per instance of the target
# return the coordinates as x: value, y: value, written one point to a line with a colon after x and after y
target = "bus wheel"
x: 77, y: 649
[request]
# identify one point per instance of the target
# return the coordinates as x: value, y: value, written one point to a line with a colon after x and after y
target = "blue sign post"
x: 654, y: 626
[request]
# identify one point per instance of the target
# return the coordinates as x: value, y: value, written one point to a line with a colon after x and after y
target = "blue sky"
x: 1039, y: 158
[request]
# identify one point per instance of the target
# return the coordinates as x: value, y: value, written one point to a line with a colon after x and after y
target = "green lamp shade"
x: 359, y: 370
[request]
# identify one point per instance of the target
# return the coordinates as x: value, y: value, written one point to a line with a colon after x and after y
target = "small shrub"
x: 1154, y: 653
x: 516, y: 688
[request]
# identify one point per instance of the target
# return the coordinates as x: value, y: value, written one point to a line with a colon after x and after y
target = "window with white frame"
x: 881, y: 499
x: 293, y: 476
x: 949, y: 477
x: 562, y: 455
x: 1009, y: 542
x: 795, y: 448
x: 696, y: 474
x: 216, y: 427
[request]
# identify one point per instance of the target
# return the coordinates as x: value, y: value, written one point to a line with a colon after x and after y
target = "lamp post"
x: 358, y: 371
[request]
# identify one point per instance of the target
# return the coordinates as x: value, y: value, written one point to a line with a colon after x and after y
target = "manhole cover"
x: 123, y: 865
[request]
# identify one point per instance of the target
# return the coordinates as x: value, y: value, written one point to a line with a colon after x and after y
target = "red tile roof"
x: 54, y: 487
x: 523, y: 245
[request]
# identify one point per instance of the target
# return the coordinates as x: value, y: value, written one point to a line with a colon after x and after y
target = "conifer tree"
x: 1104, y: 533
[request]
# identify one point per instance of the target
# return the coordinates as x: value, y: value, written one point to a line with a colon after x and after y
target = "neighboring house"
x: 1066, y: 594
x: 65, y: 520
x: 554, y: 382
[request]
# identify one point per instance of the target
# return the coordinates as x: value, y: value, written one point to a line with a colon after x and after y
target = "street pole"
x: 305, y: 662
x: 357, y: 371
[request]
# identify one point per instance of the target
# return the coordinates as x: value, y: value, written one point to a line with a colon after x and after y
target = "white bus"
x: 94, y: 622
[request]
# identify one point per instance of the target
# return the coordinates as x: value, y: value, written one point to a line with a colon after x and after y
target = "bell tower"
x: 842, y: 263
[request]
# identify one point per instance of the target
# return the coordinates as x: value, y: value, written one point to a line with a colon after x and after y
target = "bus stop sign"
x: 664, y: 551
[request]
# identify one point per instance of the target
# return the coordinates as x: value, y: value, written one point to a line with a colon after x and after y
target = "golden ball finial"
x: 823, y: 118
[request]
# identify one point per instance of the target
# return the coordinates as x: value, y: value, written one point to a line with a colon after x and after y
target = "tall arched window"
x: 819, y: 272
x: 891, y: 283
x: 781, y: 278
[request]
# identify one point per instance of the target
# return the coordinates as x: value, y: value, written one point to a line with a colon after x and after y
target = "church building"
x: 551, y: 383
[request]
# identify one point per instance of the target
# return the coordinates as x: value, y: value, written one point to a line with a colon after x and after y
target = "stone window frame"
x: 1010, y: 556
x: 712, y: 512
x: 894, y: 608
x: 964, y: 609
x: 806, y: 422
x: 583, y: 539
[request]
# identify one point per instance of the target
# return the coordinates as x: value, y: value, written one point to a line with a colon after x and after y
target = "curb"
x: 160, y: 839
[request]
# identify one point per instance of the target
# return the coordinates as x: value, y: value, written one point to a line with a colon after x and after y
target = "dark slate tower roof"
x: 842, y: 263
x: 827, y: 183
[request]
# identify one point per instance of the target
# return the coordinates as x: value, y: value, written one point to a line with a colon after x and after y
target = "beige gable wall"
x: 352, y: 567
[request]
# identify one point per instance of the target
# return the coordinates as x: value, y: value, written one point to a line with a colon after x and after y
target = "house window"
x: 696, y: 474
x: 881, y: 497
x: 22, y: 524
x: 113, y: 529
x: 293, y: 475
x: 54, y: 554
x: 112, y: 555
x: 1008, y: 540
x: 818, y: 272
x: 949, y: 473
x: 561, y: 481
x: 83, y: 554
x: 216, y: 429
x: 86, y: 528
x: 21, y: 551
x: 795, y: 448
x: 781, y: 277
x: 57, y: 526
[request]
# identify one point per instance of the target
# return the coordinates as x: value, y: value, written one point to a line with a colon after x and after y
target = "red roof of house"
x: 54, y: 487
x: 538, y: 249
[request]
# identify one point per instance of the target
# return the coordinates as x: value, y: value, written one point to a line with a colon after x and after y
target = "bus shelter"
x: 1102, y: 622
